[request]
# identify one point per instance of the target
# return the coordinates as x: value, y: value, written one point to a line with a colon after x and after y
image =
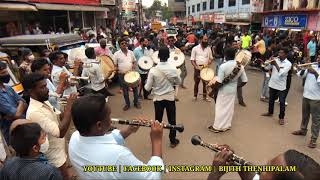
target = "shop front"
x: 294, y: 22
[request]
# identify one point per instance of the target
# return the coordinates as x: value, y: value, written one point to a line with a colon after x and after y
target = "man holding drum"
x: 124, y: 61
x: 201, y: 56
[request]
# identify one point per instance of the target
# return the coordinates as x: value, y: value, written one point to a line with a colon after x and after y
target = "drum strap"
x: 232, y: 75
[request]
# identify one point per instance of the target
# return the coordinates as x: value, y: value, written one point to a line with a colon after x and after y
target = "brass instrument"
x: 304, y: 66
x: 178, y: 127
x: 236, y: 160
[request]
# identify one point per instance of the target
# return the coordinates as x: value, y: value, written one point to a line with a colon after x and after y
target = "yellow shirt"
x: 246, y: 40
x: 261, y: 45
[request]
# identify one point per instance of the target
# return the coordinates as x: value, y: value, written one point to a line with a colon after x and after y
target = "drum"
x: 107, y: 66
x: 145, y: 63
x: 77, y: 53
x: 132, y: 79
x: 155, y: 57
x: 176, y: 58
x: 243, y: 56
x: 207, y: 74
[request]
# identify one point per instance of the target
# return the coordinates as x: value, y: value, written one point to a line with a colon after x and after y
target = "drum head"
x: 77, y: 53
x: 131, y: 77
x: 207, y: 74
x: 155, y: 57
x: 244, y: 56
x: 107, y: 66
x: 145, y: 63
x: 176, y: 58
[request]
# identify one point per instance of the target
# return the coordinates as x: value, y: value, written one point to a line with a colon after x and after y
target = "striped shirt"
x: 29, y: 168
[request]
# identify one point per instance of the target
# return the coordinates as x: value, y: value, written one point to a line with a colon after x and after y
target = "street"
x: 256, y: 138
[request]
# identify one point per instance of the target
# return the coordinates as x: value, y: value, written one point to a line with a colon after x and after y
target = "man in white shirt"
x: 93, y: 143
x: 278, y: 83
x: 50, y: 119
x: 310, y: 103
x: 201, y: 56
x: 42, y: 66
x: 125, y: 61
x: 58, y: 60
x: 224, y: 107
x: 162, y: 79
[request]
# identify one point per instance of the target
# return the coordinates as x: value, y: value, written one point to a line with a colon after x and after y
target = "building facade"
x: 178, y: 7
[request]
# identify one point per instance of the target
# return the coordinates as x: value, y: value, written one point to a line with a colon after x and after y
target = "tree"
x: 158, y: 6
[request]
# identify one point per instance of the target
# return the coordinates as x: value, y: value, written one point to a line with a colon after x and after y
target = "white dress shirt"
x: 97, y: 81
x: 53, y: 96
x: 162, y: 83
x: 278, y: 79
x: 49, y: 118
x: 312, y: 85
x: 56, y: 71
x: 225, y: 70
x: 124, y: 62
x: 107, y: 150
x: 200, y: 55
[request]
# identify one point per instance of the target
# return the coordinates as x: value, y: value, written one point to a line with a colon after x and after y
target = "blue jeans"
x: 265, y: 86
x: 274, y: 94
x: 125, y: 89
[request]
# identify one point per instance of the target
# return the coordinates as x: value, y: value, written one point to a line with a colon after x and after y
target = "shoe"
x: 120, y: 91
x: 263, y: 99
x: 212, y: 129
x: 183, y: 87
x: 312, y: 145
x: 281, y: 121
x: 176, y: 99
x: 175, y: 143
x: 207, y: 99
x: 299, y: 133
x: 125, y: 108
x: 194, y: 99
x: 138, y: 106
x: 227, y: 129
x: 267, y: 114
x: 286, y: 103
x: 242, y: 104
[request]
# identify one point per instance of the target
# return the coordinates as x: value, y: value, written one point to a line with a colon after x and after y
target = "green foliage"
x: 158, y: 6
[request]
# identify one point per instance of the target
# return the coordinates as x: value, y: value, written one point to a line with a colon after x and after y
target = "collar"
x: 38, y: 104
x: 105, y: 139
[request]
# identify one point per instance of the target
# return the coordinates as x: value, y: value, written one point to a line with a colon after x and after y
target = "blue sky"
x: 148, y: 3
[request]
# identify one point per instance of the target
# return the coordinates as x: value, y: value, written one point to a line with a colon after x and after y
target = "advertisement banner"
x: 270, y: 21
x: 293, y: 21
x: 76, y: 2
x: 219, y: 18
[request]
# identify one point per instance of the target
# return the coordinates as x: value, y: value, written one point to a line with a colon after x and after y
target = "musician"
x: 27, y: 59
x: 246, y: 40
x: 307, y: 168
x: 310, y: 103
x: 103, y: 50
x: 224, y: 108
x: 278, y: 82
x: 50, y: 119
x: 125, y: 61
x: 58, y: 60
x: 161, y: 79
x: 201, y: 56
x: 179, y: 44
x: 42, y: 66
x: 139, y: 52
x: 236, y: 46
x: 97, y: 81
x: 94, y: 144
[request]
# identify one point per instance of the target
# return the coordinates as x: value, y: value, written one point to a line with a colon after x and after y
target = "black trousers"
x: 144, y: 78
x: 170, y: 107
x: 274, y: 94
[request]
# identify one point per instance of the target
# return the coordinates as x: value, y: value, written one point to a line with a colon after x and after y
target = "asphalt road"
x: 252, y: 136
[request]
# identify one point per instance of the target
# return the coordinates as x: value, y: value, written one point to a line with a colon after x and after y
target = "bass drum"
x: 132, y: 79
x: 145, y: 63
x: 107, y: 66
x: 207, y: 74
x: 244, y: 57
x: 176, y: 58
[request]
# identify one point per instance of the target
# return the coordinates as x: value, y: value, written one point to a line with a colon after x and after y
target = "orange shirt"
x: 191, y: 38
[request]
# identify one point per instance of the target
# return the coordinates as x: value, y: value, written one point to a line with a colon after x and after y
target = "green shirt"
x: 246, y: 41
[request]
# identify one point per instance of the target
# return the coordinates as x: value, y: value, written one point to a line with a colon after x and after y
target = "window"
x: 245, y: 1
x: 179, y: 0
x: 193, y: 8
x: 198, y: 7
x: 211, y: 4
x: 189, y: 10
x: 204, y: 6
x: 220, y: 3
x: 232, y: 3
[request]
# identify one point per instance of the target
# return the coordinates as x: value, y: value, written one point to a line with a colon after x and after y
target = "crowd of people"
x: 34, y: 127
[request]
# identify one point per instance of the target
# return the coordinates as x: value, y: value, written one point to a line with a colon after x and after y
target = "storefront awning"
x: 238, y: 23
x: 17, y: 7
x: 65, y: 7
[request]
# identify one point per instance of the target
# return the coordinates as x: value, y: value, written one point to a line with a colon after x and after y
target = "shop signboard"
x: 219, y: 18
x: 271, y: 21
x: 293, y: 21
x: 77, y: 2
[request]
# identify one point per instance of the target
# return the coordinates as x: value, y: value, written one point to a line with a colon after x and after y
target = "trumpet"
x: 178, y: 127
x: 78, y: 78
x: 304, y: 66
x: 268, y: 62
x: 236, y: 160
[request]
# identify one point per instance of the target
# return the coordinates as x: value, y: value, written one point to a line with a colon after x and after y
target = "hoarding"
x: 77, y: 2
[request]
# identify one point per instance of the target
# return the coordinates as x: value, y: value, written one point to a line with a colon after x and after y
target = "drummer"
x: 201, y: 56
x: 139, y: 52
x: 125, y: 61
x: 103, y: 50
x: 172, y: 47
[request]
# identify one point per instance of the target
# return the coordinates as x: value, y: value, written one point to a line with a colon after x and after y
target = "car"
x: 171, y: 32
